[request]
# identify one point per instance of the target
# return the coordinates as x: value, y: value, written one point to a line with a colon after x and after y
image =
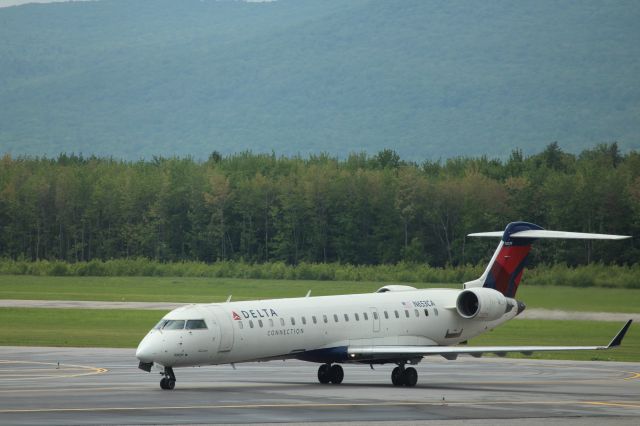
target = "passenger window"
x: 282, y: 322
x: 435, y: 311
x: 386, y: 315
x: 335, y: 317
x: 174, y: 325
x: 375, y: 315
x: 315, y: 321
x: 346, y: 318
x: 406, y: 313
x: 196, y: 325
x: 260, y: 323
x: 250, y: 324
x: 304, y: 321
x: 240, y: 325
x: 426, y: 312
x: 293, y: 321
x: 366, y: 317
x: 357, y: 316
x: 324, y: 318
x: 270, y: 322
x: 397, y: 314
x: 417, y: 313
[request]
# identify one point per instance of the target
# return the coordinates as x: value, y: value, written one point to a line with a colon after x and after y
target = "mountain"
x: 430, y: 79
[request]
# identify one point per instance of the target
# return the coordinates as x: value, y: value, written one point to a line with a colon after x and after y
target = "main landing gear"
x: 330, y: 373
x: 168, y: 382
x: 401, y: 376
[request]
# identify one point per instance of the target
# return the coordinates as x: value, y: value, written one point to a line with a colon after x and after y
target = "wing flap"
x: 446, y: 351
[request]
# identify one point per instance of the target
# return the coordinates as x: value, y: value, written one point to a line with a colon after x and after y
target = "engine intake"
x: 482, y: 303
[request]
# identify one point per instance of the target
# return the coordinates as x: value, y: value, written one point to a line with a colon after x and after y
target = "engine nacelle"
x: 482, y: 303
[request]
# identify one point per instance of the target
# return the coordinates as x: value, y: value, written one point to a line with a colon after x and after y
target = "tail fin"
x: 505, y: 268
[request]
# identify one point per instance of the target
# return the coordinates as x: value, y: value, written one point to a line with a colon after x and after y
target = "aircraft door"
x: 225, y: 326
x: 376, y: 319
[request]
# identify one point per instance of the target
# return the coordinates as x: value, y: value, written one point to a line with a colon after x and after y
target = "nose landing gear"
x: 401, y: 376
x: 330, y: 373
x: 168, y: 382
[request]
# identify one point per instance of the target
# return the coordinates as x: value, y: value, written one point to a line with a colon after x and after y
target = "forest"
x: 359, y: 210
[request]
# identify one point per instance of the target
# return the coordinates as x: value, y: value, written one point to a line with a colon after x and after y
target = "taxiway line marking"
x: 58, y: 367
x: 311, y: 405
x: 613, y: 404
x: 238, y: 385
x: 633, y: 376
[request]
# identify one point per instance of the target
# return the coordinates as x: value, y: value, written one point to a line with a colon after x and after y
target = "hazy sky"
x: 7, y: 3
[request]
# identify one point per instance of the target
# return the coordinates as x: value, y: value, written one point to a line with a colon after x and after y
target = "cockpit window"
x: 196, y: 325
x: 160, y: 324
x: 174, y: 325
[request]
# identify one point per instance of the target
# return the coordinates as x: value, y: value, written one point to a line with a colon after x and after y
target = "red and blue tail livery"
x: 505, y: 269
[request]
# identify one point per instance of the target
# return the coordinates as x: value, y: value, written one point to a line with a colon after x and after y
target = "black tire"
x: 171, y: 384
x: 396, y: 377
x: 410, y: 377
x: 337, y: 374
x: 324, y: 375
x: 163, y: 383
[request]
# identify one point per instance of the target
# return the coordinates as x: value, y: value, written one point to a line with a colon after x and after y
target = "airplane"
x: 397, y: 324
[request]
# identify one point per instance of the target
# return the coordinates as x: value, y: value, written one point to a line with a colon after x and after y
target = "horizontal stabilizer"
x: 487, y: 234
x: 543, y: 233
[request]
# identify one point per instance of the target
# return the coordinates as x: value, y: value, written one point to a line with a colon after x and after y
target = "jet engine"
x: 482, y: 303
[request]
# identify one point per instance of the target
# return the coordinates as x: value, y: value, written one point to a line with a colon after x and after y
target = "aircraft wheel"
x: 396, y: 377
x: 324, y: 375
x: 410, y: 377
x: 337, y: 374
x: 167, y: 383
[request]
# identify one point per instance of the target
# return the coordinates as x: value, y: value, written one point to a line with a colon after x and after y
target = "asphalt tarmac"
x: 103, y: 386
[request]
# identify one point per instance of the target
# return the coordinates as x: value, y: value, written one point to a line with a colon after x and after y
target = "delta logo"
x: 254, y: 313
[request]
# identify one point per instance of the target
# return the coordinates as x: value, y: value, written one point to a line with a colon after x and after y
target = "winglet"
x: 618, y: 339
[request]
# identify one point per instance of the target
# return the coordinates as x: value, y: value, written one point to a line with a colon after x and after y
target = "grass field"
x: 125, y: 328
x: 198, y: 290
x: 76, y: 327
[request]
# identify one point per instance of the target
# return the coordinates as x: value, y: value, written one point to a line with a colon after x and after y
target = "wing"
x: 372, y: 353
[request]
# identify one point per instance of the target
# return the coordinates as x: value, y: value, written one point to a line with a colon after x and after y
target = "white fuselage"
x: 315, y: 329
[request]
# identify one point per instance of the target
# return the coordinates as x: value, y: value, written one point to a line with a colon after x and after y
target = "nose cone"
x: 147, y: 350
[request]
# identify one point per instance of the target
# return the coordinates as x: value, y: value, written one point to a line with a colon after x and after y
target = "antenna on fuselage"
x: 308, y: 293
x: 228, y: 299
